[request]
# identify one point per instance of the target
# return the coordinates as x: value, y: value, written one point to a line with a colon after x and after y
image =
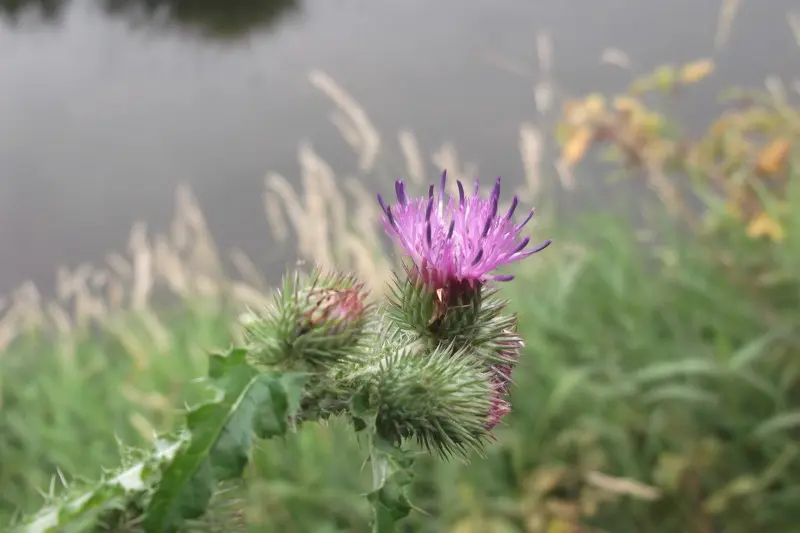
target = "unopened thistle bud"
x: 455, y: 246
x: 441, y: 399
x: 316, y: 322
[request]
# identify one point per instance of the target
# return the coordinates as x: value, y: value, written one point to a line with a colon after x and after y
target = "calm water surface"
x: 107, y: 105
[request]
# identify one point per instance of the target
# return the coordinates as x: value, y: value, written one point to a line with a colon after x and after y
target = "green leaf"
x: 679, y: 393
x: 778, y: 424
x: 753, y: 350
x: 674, y: 369
x: 251, y: 404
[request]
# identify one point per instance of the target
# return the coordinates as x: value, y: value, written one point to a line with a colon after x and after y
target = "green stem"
x: 391, y: 474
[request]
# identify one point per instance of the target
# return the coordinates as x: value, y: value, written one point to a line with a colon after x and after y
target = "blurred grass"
x: 668, y: 376
x: 659, y: 389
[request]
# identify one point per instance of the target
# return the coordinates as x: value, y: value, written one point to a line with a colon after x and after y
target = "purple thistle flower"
x: 457, y: 241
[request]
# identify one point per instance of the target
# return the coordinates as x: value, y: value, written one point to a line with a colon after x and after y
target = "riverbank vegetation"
x: 659, y: 390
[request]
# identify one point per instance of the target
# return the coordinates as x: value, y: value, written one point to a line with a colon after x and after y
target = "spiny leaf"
x: 252, y: 405
x: 85, y: 511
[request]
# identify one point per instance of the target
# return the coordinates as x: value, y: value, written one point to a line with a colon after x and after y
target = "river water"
x: 107, y: 105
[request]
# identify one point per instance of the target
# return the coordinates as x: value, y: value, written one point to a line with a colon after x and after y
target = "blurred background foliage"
x: 659, y: 391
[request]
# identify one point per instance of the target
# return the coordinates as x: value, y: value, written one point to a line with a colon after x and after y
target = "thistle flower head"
x: 457, y: 241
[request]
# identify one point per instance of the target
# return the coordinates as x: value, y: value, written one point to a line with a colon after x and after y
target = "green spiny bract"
x: 461, y: 316
x: 440, y: 397
x: 312, y: 323
x: 441, y: 313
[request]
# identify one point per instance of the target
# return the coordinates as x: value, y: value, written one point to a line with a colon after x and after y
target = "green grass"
x: 647, y: 364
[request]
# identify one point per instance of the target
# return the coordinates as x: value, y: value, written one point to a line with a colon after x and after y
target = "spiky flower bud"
x: 440, y: 397
x: 316, y: 321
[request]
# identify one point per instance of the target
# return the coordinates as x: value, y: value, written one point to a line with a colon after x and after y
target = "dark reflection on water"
x: 49, y: 10
x: 107, y: 105
x: 211, y: 18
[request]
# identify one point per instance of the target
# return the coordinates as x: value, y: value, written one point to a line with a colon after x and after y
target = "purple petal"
x: 390, y: 217
x: 487, y: 225
x: 478, y: 257
x: 542, y: 246
x: 495, y: 197
x: 381, y: 202
x: 400, y: 190
x: 461, y: 199
x: 521, y: 245
x: 513, y: 207
x: 502, y: 277
x: 527, y: 219
x: 444, y: 181
x: 527, y: 253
